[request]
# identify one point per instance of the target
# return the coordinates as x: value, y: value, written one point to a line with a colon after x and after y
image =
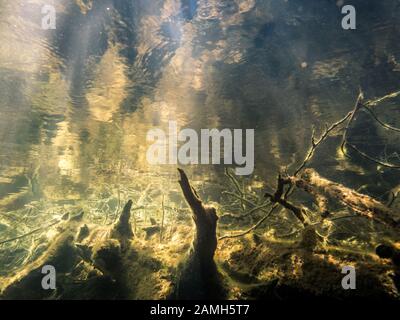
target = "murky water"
x: 76, y: 102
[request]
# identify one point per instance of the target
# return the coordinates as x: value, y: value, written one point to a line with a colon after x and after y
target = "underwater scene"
x: 200, y: 149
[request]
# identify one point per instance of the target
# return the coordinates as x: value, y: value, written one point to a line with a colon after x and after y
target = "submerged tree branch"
x: 366, y: 156
x: 322, y: 201
x: 363, y: 205
x: 358, y: 106
x: 254, y: 227
x: 383, y: 124
x: 315, y: 143
x: 249, y: 202
x: 53, y: 223
x: 392, y: 95
x: 277, y: 198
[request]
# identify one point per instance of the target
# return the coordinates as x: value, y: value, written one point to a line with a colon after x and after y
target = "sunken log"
x: 198, y: 277
x: 363, y: 205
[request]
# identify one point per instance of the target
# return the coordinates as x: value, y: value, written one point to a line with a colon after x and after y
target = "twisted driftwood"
x: 311, y: 182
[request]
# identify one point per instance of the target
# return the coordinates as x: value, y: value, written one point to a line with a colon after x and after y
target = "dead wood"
x: 122, y: 229
x: 364, y: 205
x: 205, y: 219
x: 199, y: 277
x: 277, y: 197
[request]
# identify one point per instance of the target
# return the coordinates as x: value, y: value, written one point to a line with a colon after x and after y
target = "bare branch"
x: 277, y: 198
x: 254, y: 227
x: 366, y: 156
x: 383, y: 124
x: 315, y: 143
x: 353, y: 113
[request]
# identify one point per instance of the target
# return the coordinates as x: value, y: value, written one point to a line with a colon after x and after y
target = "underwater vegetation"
x: 162, y: 261
x: 320, y: 105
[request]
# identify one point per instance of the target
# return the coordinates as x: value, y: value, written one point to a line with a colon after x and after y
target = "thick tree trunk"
x: 364, y: 205
x: 205, y: 219
x: 199, y: 277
